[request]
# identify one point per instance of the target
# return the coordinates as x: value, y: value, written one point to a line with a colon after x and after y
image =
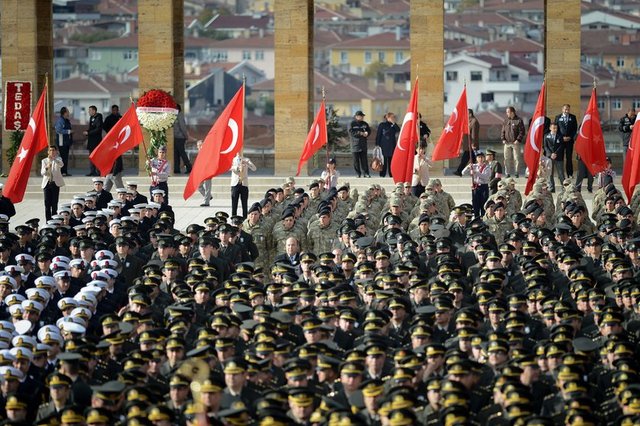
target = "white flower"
x: 156, y: 121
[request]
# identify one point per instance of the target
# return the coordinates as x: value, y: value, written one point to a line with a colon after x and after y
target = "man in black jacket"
x: 554, y: 148
x: 94, y: 135
x: 626, y: 127
x: 567, y: 128
x: 359, y: 131
x: 386, y: 139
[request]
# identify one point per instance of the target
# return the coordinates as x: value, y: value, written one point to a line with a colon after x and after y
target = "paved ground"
x: 189, y: 211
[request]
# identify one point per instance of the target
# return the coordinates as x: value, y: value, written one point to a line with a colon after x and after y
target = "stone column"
x: 27, y: 53
x: 427, y: 62
x: 293, y: 81
x: 161, y: 55
x: 562, y: 58
x: 562, y: 55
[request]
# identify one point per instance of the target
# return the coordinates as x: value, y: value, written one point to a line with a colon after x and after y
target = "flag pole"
x: 46, y: 106
x: 464, y: 89
x: 325, y: 111
x: 244, y: 96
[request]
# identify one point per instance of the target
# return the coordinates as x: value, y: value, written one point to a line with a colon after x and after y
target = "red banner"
x: 17, y: 105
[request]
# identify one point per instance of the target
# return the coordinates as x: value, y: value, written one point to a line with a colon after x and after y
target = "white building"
x: 609, y: 20
x: 79, y: 93
x: 257, y: 51
x: 494, y: 81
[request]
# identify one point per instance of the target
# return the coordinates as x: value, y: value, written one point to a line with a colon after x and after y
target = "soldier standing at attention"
x: 496, y: 170
x: 359, y: 131
x: 626, y: 127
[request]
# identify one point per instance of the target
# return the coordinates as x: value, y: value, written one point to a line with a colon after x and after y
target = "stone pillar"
x: 562, y: 57
x: 161, y: 55
x: 293, y: 81
x: 27, y: 53
x: 427, y: 62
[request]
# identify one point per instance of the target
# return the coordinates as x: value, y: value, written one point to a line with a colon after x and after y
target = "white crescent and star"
x: 586, y: 118
x: 532, y: 136
x: 233, y: 125
x: 23, y: 152
x: 32, y: 124
x: 315, y: 137
x: 120, y: 141
x: 407, y: 117
x: 449, y: 127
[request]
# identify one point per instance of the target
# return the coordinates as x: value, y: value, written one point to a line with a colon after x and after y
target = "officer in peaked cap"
x: 238, y: 388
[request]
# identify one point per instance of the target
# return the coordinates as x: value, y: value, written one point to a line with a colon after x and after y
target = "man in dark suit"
x: 567, y: 128
x: 130, y: 265
x: 94, y: 135
x: 554, y: 149
x: 386, y: 139
x: 291, y: 255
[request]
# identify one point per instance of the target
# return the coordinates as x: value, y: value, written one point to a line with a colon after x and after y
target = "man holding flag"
x: 590, y: 145
x: 125, y: 134
x: 35, y: 139
x: 403, y: 155
x: 533, y: 142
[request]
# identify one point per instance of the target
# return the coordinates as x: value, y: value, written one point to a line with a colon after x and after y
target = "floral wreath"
x: 157, y: 112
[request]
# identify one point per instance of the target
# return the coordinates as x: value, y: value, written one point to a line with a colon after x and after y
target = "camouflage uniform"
x: 319, y: 239
x: 280, y: 236
x: 262, y: 238
x: 499, y: 228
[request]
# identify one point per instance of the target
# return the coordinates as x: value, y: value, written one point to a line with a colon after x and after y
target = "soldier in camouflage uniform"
x: 322, y: 233
x: 444, y: 201
x: 284, y: 229
x: 514, y: 198
x: 499, y: 224
x: 259, y: 229
x: 428, y: 207
x: 344, y: 204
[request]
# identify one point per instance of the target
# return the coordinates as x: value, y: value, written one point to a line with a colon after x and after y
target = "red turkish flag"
x: 448, y: 145
x: 35, y: 139
x: 222, y: 143
x: 590, y: 141
x: 402, y: 159
x: 125, y: 135
x: 316, y: 138
x: 533, y: 146
x: 631, y: 170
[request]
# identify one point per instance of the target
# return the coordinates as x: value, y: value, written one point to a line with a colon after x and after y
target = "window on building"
x: 636, y: 103
x: 515, y: 77
x: 344, y: 57
x: 476, y: 75
x: 601, y: 104
x: 620, y: 61
x: 382, y: 56
x: 246, y: 54
x: 95, y: 55
x: 452, y: 75
x: 486, y: 97
x: 219, y: 56
x: 367, y: 57
x: 399, y: 57
x: 616, y: 103
x: 129, y: 55
x: 259, y: 55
